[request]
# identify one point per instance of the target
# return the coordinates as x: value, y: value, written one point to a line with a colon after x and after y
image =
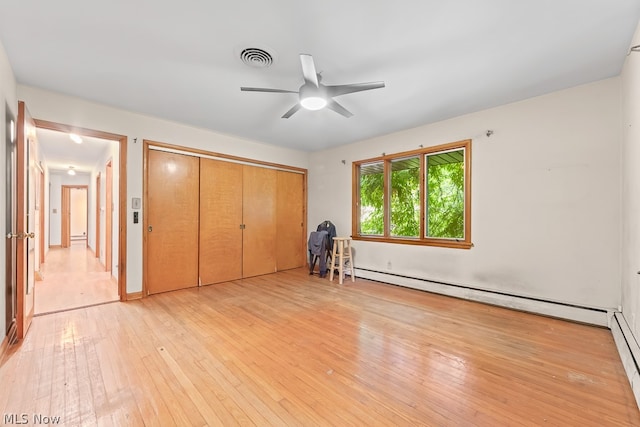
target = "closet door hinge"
x: 242, y: 226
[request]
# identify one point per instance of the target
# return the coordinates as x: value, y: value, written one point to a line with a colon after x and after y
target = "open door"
x: 26, y: 171
x: 11, y: 228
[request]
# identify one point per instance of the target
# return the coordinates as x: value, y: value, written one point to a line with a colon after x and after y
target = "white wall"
x: 631, y: 189
x: 8, y: 96
x: 545, y: 198
x: 73, y: 111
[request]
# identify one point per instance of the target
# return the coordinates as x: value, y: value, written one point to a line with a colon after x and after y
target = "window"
x: 371, y: 211
x: 420, y: 197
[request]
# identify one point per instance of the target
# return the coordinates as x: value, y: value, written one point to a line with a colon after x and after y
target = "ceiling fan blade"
x: 262, y: 89
x: 291, y: 111
x: 309, y: 69
x: 333, y: 105
x: 351, y: 88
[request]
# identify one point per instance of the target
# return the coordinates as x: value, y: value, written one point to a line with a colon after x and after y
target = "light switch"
x: 135, y: 203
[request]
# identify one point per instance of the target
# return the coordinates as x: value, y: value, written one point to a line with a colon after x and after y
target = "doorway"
x: 77, y: 271
x: 74, y: 215
x: 77, y: 221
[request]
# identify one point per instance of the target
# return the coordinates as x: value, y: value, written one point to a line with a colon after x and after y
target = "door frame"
x: 108, y: 216
x: 122, y: 190
x: 65, y: 208
x: 40, y: 195
x: 98, y: 183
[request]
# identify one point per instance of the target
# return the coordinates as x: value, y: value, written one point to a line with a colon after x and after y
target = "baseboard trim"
x: 576, y: 313
x: 134, y: 295
x: 629, y: 351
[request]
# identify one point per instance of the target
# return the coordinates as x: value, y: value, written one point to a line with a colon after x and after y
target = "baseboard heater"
x: 629, y: 351
x: 577, y: 313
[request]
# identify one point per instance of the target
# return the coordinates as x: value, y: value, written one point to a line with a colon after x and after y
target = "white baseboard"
x: 629, y: 351
x: 594, y: 316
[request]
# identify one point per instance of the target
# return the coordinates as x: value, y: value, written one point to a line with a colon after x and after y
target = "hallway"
x: 72, y: 278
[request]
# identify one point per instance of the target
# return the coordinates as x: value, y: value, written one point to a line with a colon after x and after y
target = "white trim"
x: 629, y: 351
x: 594, y: 316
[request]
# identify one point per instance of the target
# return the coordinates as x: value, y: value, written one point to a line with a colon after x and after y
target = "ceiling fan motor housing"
x: 312, y: 97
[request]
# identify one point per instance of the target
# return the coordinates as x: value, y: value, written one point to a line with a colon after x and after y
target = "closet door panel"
x: 290, y: 243
x: 220, y: 219
x: 259, y: 218
x: 172, y: 221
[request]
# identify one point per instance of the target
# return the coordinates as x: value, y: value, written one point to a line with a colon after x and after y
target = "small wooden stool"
x: 341, y: 253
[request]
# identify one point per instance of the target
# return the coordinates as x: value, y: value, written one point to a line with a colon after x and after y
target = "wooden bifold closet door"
x: 172, y: 222
x: 212, y: 221
x: 259, y: 219
x: 290, y: 242
x: 220, y: 220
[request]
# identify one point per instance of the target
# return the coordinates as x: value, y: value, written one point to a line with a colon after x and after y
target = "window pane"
x: 372, y: 198
x: 445, y: 195
x: 405, y: 197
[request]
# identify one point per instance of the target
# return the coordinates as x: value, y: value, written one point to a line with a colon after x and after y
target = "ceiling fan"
x: 314, y: 95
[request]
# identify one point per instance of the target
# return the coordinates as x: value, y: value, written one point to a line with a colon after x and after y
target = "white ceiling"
x: 60, y: 151
x: 439, y: 59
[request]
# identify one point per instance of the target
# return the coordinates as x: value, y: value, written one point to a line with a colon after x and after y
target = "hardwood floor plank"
x: 294, y: 349
x: 73, y: 277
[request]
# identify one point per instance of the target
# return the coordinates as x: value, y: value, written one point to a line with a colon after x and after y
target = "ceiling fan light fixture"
x: 313, y: 103
x: 313, y: 95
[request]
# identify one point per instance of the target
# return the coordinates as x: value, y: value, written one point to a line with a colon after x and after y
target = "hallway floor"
x: 72, y: 278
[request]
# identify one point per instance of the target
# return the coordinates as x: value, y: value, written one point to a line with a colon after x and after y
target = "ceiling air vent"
x: 255, y: 57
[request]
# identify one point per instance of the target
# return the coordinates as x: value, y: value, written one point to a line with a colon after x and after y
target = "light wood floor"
x: 73, y: 277
x: 294, y: 349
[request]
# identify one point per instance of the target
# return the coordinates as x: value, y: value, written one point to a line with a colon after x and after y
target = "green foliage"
x: 405, y: 202
x: 445, y: 201
x: 371, y: 204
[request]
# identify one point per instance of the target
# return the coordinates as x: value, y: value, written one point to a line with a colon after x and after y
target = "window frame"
x: 386, y: 159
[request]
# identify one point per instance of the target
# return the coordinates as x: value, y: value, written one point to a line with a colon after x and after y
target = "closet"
x: 213, y: 220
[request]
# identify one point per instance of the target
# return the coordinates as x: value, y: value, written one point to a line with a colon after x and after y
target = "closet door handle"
x: 150, y: 228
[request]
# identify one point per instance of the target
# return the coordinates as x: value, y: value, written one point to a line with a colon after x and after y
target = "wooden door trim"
x: 108, y: 216
x: 219, y: 156
x: 98, y: 183
x: 65, y: 224
x: 42, y: 218
x: 122, y: 190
